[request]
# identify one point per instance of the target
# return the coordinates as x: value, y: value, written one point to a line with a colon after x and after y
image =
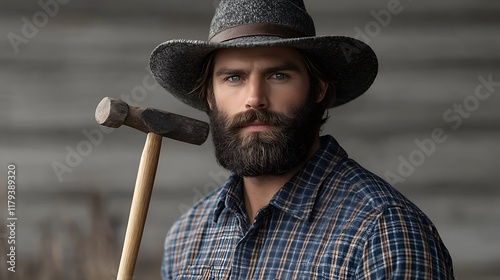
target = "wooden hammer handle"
x: 140, y: 205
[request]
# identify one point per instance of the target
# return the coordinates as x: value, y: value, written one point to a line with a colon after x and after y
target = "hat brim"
x: 349, y: 63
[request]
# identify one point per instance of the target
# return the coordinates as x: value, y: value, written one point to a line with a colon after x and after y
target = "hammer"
x: 157, y: 124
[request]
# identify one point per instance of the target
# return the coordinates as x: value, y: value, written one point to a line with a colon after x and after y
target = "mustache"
x: 261, y: 115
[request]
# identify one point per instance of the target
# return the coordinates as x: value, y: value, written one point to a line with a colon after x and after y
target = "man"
x: 295, y: 207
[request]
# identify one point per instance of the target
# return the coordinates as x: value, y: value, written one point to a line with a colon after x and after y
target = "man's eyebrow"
x: 228, y: 71
x: 285, y: 66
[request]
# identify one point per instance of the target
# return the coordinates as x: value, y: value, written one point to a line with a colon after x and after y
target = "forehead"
x: 265, y: 56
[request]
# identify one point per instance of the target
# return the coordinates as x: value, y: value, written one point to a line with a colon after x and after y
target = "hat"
x: 349, y: 64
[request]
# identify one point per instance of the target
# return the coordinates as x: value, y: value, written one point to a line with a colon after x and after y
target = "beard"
x: 274, y: 152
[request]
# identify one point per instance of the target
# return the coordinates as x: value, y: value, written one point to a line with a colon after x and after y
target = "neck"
x: 259, y: 190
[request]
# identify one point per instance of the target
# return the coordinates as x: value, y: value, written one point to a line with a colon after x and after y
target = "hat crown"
x: 289, y: 14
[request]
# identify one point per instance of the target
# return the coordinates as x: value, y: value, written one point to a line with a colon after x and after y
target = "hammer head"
x: 114, y: 113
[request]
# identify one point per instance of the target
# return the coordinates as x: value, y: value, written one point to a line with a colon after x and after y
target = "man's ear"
x: 321, y: 94
x: 209, y: 101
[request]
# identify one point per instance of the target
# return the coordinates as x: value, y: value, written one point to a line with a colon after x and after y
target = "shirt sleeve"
x: 168, y: 254
x: 165, y: 266
x: 404, y: 245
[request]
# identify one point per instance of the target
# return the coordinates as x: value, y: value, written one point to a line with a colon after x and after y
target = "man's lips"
x: 256, y: 126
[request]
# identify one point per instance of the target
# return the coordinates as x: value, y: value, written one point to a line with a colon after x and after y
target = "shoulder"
x: 362, y: 195
x: 371, y: 189
x: 186, y: 232
x: 396, y: 234
x: 199, y: 214
x: 403, y: 244
x: 349, y: 180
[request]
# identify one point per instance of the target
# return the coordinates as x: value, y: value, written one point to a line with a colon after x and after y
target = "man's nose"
x: 257, y: 94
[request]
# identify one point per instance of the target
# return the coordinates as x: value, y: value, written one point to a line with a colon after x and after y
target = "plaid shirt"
x: 331, y: 220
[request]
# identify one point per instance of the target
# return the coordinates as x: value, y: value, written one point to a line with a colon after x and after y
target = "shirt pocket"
x: 195, y: 273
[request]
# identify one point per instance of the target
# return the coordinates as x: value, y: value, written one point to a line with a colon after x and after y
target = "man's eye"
x: 279, y: 76
x: 233, y: 78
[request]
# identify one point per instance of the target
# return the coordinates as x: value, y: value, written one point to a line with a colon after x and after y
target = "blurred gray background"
x: 75, y: 182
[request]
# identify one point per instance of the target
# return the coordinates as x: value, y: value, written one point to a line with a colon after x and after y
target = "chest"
x: 277, y: 247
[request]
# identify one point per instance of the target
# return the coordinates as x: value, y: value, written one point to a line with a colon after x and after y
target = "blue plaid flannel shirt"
x: 332, y: 220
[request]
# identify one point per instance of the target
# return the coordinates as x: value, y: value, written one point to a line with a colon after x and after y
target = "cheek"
x: 290, y: 96
x: 228, y: 100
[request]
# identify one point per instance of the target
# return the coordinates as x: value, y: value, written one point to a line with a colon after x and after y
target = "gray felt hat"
x: 349, y: 64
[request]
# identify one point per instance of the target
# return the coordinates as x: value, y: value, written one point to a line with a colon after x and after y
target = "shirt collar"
x: 230, y: 196
x: 298, y: 195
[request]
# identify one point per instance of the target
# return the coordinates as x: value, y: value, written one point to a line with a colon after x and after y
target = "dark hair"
x: 204, y: 85
x: 316, y: 76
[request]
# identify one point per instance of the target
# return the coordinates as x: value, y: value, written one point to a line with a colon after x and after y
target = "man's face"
x: 261, y: 110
